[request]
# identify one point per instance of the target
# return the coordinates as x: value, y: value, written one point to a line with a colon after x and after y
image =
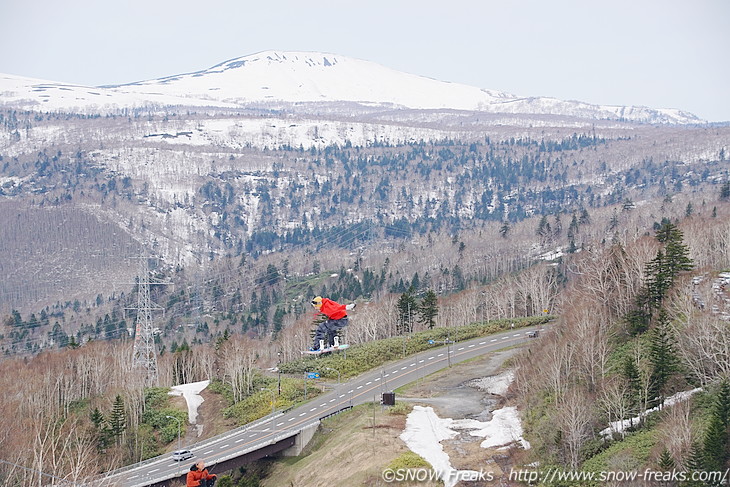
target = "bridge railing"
x: 281, y: 435
x: 202, y: 444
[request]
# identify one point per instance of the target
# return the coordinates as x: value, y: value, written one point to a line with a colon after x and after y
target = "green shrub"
x: 400, y: 409
x: 408, y: 460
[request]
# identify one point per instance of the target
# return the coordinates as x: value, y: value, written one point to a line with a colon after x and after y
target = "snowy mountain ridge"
x: 308, y: 81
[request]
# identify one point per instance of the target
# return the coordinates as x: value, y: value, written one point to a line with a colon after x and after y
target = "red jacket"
x: 332, y: 309
x: 194, y: 476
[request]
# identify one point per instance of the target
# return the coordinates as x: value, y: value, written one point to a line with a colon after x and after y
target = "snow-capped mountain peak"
x: 298, y: 77
x: 294, y: 78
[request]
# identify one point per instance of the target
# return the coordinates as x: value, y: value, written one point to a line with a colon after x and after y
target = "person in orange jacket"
x: 336, y: 314
x: 198, y: 476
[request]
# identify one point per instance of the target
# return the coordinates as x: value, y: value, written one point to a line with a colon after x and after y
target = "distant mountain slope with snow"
x: 42, y: 95
x: 305, y: 81
x: 297, y: 77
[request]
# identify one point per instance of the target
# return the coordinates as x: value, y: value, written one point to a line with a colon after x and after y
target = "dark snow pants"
x: 327, y: 330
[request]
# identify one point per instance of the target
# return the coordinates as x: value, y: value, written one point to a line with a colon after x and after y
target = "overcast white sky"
x: 657, y: 53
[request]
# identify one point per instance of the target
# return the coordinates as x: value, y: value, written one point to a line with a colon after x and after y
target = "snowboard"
x: 333, y: 348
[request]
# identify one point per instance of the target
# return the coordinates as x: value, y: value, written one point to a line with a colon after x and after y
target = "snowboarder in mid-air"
x: 336, y: 314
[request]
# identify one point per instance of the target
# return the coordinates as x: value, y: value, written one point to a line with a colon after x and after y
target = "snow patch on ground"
x: 425, y: 430
x: 619, y: 426
x: 191, y: 393
x: 495, y: 384
x: 423, y: 435
x: 503, y: 430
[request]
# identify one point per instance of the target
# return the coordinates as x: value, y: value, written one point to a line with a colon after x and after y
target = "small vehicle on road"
x: 533, y: 334
x: 180, y: 455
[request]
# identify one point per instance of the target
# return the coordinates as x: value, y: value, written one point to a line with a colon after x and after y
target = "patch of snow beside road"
x: 425, y: 430
x: 504, y: 429
x: 494, y: 384
x: 423, y: 435
x: 191, y: 393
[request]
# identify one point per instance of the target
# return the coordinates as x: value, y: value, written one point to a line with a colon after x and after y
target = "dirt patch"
x: 210, y: 421
x: 451, y: 392
x: 459, y: 393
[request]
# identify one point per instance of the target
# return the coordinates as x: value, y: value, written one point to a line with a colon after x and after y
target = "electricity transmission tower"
x: 144, y: 354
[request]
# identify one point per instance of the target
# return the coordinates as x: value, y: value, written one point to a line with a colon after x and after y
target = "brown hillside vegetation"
x: 53, y: 394
x: 595, y: 368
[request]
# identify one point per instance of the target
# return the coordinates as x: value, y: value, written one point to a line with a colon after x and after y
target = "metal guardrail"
x: 281, y: 436
x: 284, y: 434
x: 203, y: 444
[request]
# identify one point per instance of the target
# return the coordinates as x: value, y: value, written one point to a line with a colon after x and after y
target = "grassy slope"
x: 347, y: 450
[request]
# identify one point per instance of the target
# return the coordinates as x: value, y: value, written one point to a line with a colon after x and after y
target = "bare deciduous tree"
x: 704, y: 345
x: 238, y: 357
x: 677, y: 432
x: 575, y: 417
x: 614, y: 400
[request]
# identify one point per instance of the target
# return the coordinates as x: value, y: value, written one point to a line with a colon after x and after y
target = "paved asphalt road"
x: 367, y: 387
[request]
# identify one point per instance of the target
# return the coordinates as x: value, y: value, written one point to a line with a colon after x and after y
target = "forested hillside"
x: 641, y: 321
x: 249, y: 211
x: 609, y: 356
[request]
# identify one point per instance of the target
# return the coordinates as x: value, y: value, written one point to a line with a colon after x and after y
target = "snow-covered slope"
x: 297, y: 77
x: 36, y: 94
x: 308, y: 81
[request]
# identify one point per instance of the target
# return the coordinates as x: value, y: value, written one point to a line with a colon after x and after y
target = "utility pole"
x: 144, y: 353
x: 278, y: 369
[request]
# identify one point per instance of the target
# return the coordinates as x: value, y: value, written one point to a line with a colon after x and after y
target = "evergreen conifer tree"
x: 677, y: 255
x: 661, y: 273
x: 407, y: 307
x: 640, y: 315
x: 695, y: 463
x: 725, y: 191
x: 715, y: 448
x: 658, y: 279
x: 428, y: 309
x: 666, y: 462
x: 662, y: 355
x: 118, y: 419
x: 504, y: 229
